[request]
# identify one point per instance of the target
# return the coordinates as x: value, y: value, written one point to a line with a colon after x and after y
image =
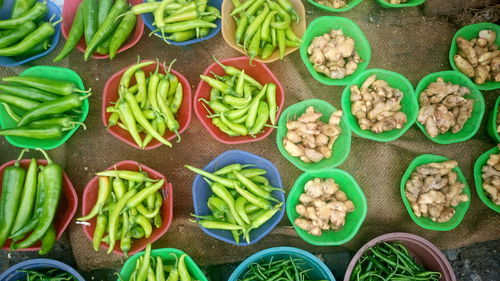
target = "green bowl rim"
x: 492, y: 122
x: 478, y: 179
x: 351, y: 4
x: 386, y: 4
x: 334, y: 171
x: 471, y: 86
x: 427, y: 223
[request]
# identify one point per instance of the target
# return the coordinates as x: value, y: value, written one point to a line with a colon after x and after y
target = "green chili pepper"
x: 143, y: 194
x: 128, y: 118
x: 221, y: 86
x: 159, y: 14
x: 236, y: 101
x: 219, y: 225
x: 19, y: 102
x: 58, y: 87
x: 255, y: 24
x: 27, y: 199
x: 20, y: 7
x: 48, y: 240
x: 142, y: 90
x: 233, y: 71
x: 261, y: 202
x: 38, y: 49
x: 103, y: 10
x: 218, y: 123
x: 11, y: 112
x: 254, y: 8
x: 265, y: 31
x: 90, y: 11
x: 240, y: 29
x: 242, y: 7
x: 49, y: 132
x: 238, y: 128
x: 12, y: 36
x: 177, y: 101
x: 233, y: 167
x: 126, y: 175
x: 240, y: 208
x: 254, y: 107
x: 261, y: 120
x: 281, y: 42
x: 252, y: 187
x: 260, y: 220
x: 36, y: 12
x: 160, y: 274
x: 254, y: 47
x: 127, y: 75
x: 100, y: 228
x: 143, y: 269
x: 224, y: 181
x: 271, y: 101
x: 114, y: 214
x: 125, y: 241
x: 33, y: 39
x: 122, y: 33
x: 102, y: 197
x: 75, y: 33
x: 251, y: 208
x: 27, y: 92
x: 183, y: 272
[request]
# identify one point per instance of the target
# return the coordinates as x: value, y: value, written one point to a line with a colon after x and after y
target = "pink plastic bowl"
x: 69, y: 10
x: 65, y: 211
x: 111, y: 95
x: 90, y: 197
x: 259, y: 72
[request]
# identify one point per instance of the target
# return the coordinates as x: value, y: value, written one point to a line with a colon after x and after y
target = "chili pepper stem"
x: 16, y: 164
x: 49, y: 160
x: 83, y: 91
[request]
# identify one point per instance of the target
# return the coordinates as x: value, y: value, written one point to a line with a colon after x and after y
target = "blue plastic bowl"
x: 201, y: 193
x: 53, y: 10
x: 12, y: 275
x: 149, y: 19
x: 319, y: 270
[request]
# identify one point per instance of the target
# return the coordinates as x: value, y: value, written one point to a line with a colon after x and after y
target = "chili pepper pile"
x: 48, y: 107
x: 390, y: 261
x: 278, y: 269
x: 241, y: 105
x: 148, y: 268
x: 182, y: 20
x: 242, y: 200
x: 128, y: 205
x: 150, y: 106
x: 28, y: 204
x: 50, y: 275
x: 25, y: 33
x: 263, y: 26
x: 100, y: 23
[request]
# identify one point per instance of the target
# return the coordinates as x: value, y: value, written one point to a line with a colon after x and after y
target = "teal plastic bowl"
x: 351, y: 4
x: 411, y: 3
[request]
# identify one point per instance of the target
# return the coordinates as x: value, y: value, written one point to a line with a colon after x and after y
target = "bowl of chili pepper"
x: 407, y: 252
x: 65, y: 211
x: 47, y: 46
x: 47, y: 268
x: 111, y: 95
x: 69, y: 12
x: 90, y: 195
x: 256, y: 70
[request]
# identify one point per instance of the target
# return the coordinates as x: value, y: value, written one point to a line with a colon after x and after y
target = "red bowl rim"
x: 72, y: 193
x: 203, y: 119
x: 188, y: 98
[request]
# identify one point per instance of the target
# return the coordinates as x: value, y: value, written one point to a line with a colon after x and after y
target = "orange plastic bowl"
x: 259, y: 72
x: 65, y: 211
x: 90, y: 197
x: 111, y: 95
x: 69, y: 10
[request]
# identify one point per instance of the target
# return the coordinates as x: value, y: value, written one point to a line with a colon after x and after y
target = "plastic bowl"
x: 324, y: 25
x: 460, y: 210
x: 11, y: 274
x: 341, y: 147
x: 478, y: 179
x: 260, y: 72
x: 111, y: 95
x: 354, y: 220
x: 410, y: 3
x: 149, y: 20
x: 319, y: 270
x: 492, y: 122
x: 65, y: 211
x: 166, y: 256
x: 201, y: 193
x: 351, y: 4
x: 90, y: 197
x: 69, y: 10
x: 50, y: 72
x: 472, y: 125
x: 472, y: 31
x: 409, y: 104
x: 54, y: 11
x: 423, y: 251
x: 229, y: 29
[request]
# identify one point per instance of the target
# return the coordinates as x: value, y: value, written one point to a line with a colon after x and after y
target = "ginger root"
x: 334, y: 54
x: 397, y: 1
x: 433, y: 191
x: 479, y: 58
x: 309, y: 138
x: 336, y: 4
x: 444, y: 107
x: 491, y: 178
x: 323, y: 206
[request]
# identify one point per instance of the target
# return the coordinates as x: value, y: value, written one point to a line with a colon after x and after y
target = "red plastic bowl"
x: 65, y: 211
x: 425, y: 253
x: 111, y: 95
x: 259, y: 72
x: 69, y: 10
x: 167, y: 210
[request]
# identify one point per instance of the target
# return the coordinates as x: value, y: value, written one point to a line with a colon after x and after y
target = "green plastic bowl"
x: 478, y: 179
x: 427, y: 223
x: 165, y: 254
x: 341, y: 147
x: 472, y: 31
x: 351, y: 4
x: 324, y: 25
x: 409, y: 104
x: 472, y: 125
x: 411, y: 3
x: 354, y: 220
x: 492, y: 122
x: 49, y: 72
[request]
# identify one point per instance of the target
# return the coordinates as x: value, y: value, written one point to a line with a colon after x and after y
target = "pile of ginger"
x: 336, y: 4
x: 491, y: 178
x: 433, y: 191
x: 323, y: 206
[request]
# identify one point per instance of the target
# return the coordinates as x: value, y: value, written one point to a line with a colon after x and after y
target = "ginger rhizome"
x: 498, y: 120
x: 491, y: 178
x: 309, y: 138
x: 334, y: 54
x: 336, y: 4
x: 433, y: 191
x: 397, y: 1
x: 444, y: 107
x: 377, y: 106
x: 323, y: 206
x: 479, y: 58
